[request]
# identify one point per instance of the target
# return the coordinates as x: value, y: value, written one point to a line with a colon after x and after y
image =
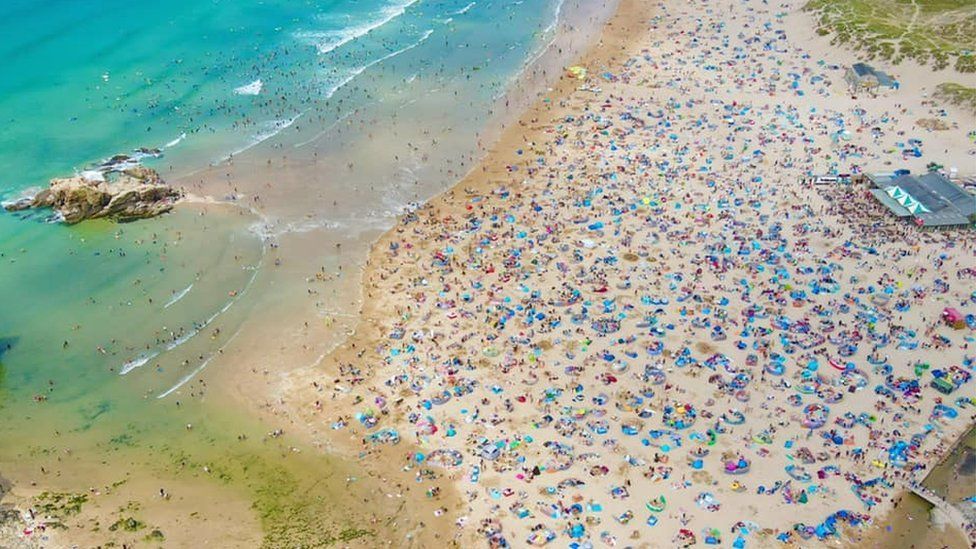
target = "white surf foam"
x: 137, y: 362
x: 200, y: 368
x: 539, y: 52
x: 268, y: 230
x: 186, y: 378
x: 308, y: 226
x: 23, y: 195
x: 253, y: 88
x: 92, y: 175
x: 176, y: 141
x: 146, y: 357
x: 183, y: 380
x: 272, y: 128
x: 465, y: 9
x: 327, y: 41
x: 198, y: 328
x: 555, y: 17
x: 359, y: 70
x: 328, y: 128
x: 178, y: 296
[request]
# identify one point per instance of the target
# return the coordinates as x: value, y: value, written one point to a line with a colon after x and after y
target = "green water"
x: 111, y: 298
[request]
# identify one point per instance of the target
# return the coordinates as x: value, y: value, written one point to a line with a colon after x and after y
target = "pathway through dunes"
x: 937, y: 32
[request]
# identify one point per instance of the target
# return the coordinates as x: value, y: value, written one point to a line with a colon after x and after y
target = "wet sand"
x: 296, y: 325
x: 910, y: 524
x: 954, y: 478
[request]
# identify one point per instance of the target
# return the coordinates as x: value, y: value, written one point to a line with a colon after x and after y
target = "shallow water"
x: 910, y: 525
x: 339, y: 113
x: 955, y: 477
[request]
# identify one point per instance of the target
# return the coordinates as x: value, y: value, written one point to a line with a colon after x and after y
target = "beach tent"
x: 943, y: 386
x: 577, y: 72
x: 952, y: 317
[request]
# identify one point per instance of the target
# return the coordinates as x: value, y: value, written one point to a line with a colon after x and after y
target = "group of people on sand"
x: 648, y: 327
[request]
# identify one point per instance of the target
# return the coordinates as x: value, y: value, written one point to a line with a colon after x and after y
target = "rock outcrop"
x: 136, y: 192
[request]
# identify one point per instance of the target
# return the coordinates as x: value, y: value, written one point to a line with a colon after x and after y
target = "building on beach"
x: 864, y: 77
x: 931, y: 200
x: 839, y: 179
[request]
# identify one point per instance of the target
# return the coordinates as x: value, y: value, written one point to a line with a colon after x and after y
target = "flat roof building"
x: 861, y: 76
x: 932, y: 200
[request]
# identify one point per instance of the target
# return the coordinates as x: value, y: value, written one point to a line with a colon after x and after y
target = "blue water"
x: 84, y: 80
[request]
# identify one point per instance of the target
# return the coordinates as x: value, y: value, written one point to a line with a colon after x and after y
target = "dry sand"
x: 594, y: 253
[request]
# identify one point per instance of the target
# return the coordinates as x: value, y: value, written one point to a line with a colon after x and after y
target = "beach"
x: 641, y: 305
x: 632, y: 318
x: 141, y: 361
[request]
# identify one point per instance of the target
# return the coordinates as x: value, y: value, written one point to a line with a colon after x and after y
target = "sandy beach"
x: 633, y: 320
x: 636, y: 323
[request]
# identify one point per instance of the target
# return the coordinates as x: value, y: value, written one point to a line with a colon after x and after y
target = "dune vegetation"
x: 931, y: 32
x: 957, y: 94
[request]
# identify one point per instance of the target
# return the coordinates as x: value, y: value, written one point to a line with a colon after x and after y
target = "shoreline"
x: 205, y: 200
x: 621, y: 31
x: 618, y: 32
x: 195, y: 198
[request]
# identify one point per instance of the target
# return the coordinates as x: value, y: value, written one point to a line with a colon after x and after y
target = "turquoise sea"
x: 101, y: 323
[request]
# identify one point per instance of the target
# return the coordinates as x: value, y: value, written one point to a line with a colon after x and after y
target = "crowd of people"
x: 653, y: 327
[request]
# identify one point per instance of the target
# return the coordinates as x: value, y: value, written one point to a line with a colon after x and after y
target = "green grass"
x: 127, y: 524
x: 293, y: 512
x: 294, y: 517
x: 60, y: 504
x: 932, y: 32
x: 957, y: 94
